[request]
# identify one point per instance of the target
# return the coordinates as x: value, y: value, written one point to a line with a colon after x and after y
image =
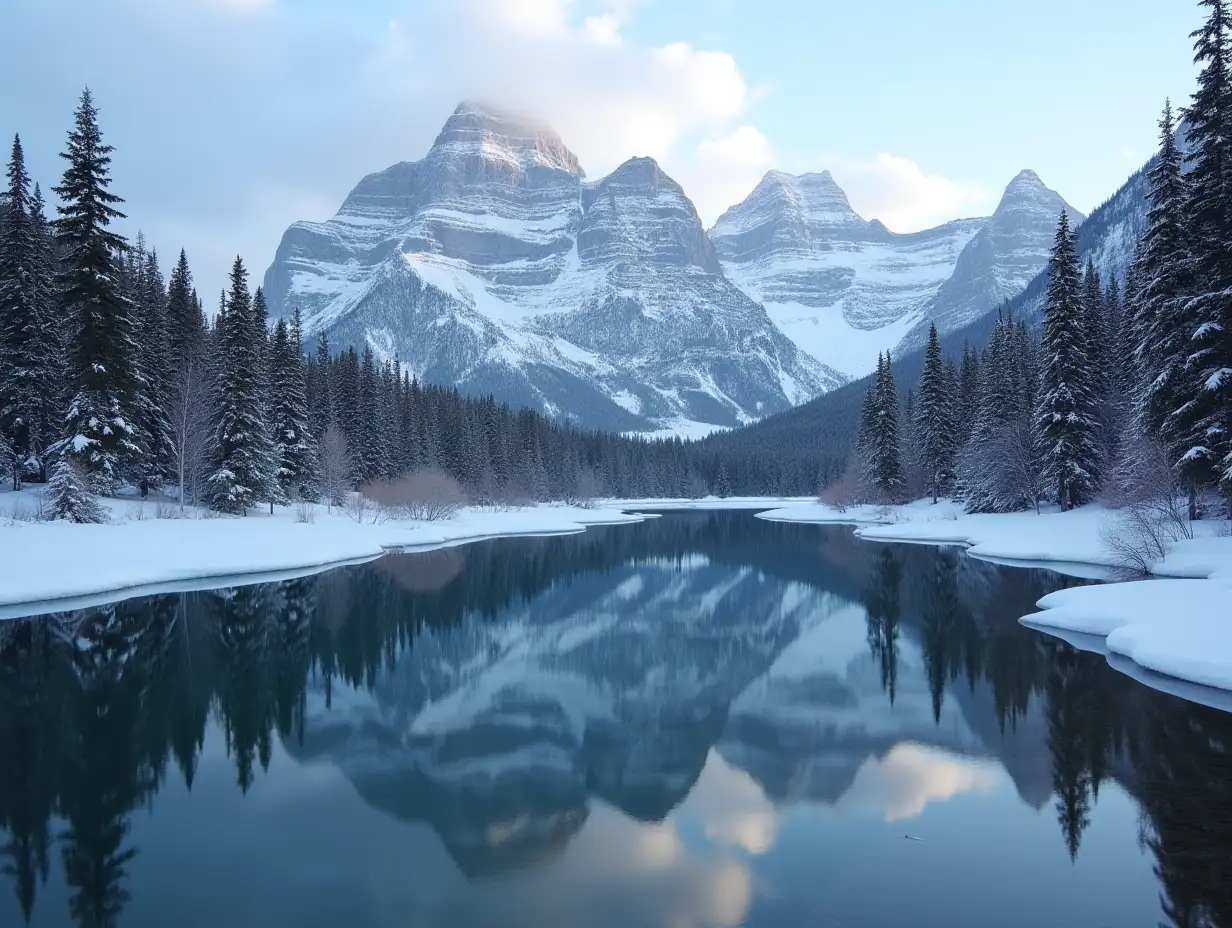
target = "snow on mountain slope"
x: 999, y: 262
x: 491, y: 264
x: 841, y: 287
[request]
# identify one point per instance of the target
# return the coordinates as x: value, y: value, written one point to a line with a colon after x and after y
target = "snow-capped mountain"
x: 1000, y: 260
x: 845, y: 288
x: 492, y: 264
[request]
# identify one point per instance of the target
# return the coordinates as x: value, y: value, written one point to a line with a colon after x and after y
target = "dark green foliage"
x: 100, y: 424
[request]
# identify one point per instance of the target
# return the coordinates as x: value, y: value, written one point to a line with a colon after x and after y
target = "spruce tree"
x: 100, y: 422
x: 1205, y: 414
x: 293, y: 444
x: 887, y: 466
x: 23, y: 320
x: 1160, y: 283
x: 185, y: 325
x: 321, y: 405
x: 150, y: 329
x: 270, y: 489
x: 1068, y: 412
x: 241, y: 472
x: 69, y: 494
x: 935, y: 427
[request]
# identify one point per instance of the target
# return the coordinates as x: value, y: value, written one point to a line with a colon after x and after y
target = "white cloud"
x: 911, y: 776
x: 603, y: 29
x: 725, y: 168
x: 899, y: 193
x: 226, y: 135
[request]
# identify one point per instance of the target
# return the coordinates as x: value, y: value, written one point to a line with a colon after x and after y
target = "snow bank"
x: 1179, y: 628
x: 46, y: 567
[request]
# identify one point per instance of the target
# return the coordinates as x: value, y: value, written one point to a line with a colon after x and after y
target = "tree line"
x: 1121, y: 377
x: 112, y: 375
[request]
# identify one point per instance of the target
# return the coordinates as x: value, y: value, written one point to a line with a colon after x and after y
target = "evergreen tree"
x: 100, y: 422
x: 935, y: 425
x: 24, y: 319
x: 887, y: 469
x: 150, y: 329
x: 70, y: 495
x: 1160, y: 279
x: 321, y: 402
x: 241, y: 469
x: 1068, y: 412
x: 269, y: 489
x: 185, y: 324
x: 1205, y: 414
x: 293, y: 443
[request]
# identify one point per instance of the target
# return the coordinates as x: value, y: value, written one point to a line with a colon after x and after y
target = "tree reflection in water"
x: 99, y: 707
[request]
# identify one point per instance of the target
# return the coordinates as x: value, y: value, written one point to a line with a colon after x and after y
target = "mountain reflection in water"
x: 703, y: 719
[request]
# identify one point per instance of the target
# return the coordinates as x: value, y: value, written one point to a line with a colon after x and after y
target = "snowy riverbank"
x: 1180, y: 627
x: 55, y: 566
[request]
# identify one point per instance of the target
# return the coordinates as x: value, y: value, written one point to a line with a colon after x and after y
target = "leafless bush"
x: 165, y: 510
x: 587, y: 488
x: 335, y: 466
x: 305, y: 512
x: 426, y: 495
x: 357, y: 507
x: 1014, y: 454
x: 843, y: 493
x: 1141, y: 536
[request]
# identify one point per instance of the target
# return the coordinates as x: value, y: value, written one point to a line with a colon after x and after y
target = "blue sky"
x: 233, y: 118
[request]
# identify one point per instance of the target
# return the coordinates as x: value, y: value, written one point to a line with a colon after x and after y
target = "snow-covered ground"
x: 51, y: 566
x: 48, y: 567
x: 1179, y: 627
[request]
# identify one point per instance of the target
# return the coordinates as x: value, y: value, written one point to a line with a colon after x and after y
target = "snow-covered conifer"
x: 100, y: 427
x: 1068, y: 412
x: 69, y: 494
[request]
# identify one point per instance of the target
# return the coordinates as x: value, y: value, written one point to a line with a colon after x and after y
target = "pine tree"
x: 293, y: 444
x: 241, y: 473
x: 321, y: 403
x: 185, y: 324
x: 100, y: 420
x: 70, y: 495
x: 887, y: 469
x: 935, y: 425
x: 1205, y: 416
x: 1068, y: 412
x: 1160, y: 275
x: 23, y: 318
x: 150, y: 328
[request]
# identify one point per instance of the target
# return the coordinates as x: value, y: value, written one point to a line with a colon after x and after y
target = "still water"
x: 701, y: 720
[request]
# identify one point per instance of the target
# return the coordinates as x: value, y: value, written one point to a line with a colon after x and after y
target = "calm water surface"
x: 703, y: 720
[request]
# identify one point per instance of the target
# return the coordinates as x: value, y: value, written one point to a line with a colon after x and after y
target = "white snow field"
x: 1180, y: 628
x: 55, y: 566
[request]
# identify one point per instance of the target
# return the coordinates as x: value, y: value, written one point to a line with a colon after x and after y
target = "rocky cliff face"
x: 493, y: 265
x: 1000, y: 260
x: 843, y: 288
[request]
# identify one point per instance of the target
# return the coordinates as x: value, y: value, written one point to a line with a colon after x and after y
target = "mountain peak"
x: 501, y: 135
x: 1027, y: 191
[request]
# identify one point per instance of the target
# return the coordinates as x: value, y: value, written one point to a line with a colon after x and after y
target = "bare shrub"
x: 165, y: 510
x: 305, y: 512
x: 844, y: 492
x: 335, y: 467
x: 1152, y: 509
x: 428, y: 496
x: 357, y: 507
x: 587, y: 488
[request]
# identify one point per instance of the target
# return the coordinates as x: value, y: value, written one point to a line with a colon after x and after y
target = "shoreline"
x: 1136, y: 624
x: 55, y: 567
